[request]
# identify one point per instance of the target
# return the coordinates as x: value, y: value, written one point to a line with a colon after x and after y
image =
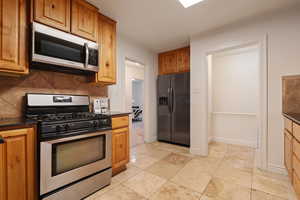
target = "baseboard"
x: 233, y: 141
x: 277, y: 169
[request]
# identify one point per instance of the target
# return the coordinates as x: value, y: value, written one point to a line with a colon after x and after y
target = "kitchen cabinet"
x: 107, y: 54
x: 120, y: 143
x: 14, y: 22
x: 84, y: 20
x: 288, y: 152
x: 17, y: 164
x: 55, y: 13
x: 183, y: 60
x: 176, y: 61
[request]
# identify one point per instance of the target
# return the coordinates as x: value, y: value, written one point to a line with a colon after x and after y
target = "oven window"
x: 74, y: 154
x: 57, y: 48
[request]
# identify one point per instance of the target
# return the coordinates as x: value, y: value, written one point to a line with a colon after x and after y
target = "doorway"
x: 135, y: 99
x: 234, y: 96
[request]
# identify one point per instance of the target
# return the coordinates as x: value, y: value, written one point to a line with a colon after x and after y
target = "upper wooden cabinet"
x: 84, y: 20
x: 55, y: 13
x: 107, y: 41
x: 183, y: 60
x: 168, y: 62
x: 176, y: 61
x: 14, y: 33
x: 17, y: 165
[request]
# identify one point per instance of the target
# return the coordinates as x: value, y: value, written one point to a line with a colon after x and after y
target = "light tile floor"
x: 161, y: 171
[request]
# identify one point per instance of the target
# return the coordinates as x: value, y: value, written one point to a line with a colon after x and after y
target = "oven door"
x: 54, y: 47
x: 66, y: 160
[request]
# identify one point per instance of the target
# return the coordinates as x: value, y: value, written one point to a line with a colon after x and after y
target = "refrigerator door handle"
x: 169, y: 100
x: 173, y: 98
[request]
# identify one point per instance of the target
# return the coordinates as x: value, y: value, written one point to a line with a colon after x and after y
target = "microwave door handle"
x: 86, y: 54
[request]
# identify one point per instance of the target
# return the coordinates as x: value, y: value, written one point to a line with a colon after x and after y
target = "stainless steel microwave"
x: 53, y: 47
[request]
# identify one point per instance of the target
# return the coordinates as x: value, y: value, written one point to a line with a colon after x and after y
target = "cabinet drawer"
x: 296, y: 131
x: 296, y: 184
x: 119, y: 122
x: 288, y: 125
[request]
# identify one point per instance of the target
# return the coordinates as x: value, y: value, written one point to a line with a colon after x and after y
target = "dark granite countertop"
x: 16, y: 122
x: 295, y: 117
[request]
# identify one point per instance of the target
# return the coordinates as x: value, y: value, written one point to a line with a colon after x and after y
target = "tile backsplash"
x: 13, y: 89
x: 291, y: 94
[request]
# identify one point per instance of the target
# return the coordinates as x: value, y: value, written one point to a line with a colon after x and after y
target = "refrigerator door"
x: 180, y: 93
x: 164, y: 108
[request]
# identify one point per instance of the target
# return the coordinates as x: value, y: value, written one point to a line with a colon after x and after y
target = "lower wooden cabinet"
x: 288, y: 152
x: 17, y: 165
x: 120, y: 147
x: 120, y: 143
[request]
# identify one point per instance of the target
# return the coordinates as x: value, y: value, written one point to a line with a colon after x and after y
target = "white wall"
x: 234, y: 89
x: 129, y: 49
x: 283, y: 59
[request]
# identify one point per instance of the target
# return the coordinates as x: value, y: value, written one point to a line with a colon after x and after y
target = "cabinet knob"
x: 107, y: 64
x: 52, y: 6
x: 2, y: 141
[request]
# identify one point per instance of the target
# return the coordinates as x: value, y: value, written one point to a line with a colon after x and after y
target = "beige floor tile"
x: 192, y: 177
x: 271, y: 185
x: 177, y: 159
x: 164, y: 169
x: 157, y: 153
x: 171, y: 191
x: 268, y: 174
x: 234, y: 175
x: 218, y: 147
x: 142, y: 161
x: 235, y: 163
x: 121, y: 193
x: 206, y: 164
x: 259, y: 195
x: 220, y: 189
x: 125, y: 175
x: 145, y: 183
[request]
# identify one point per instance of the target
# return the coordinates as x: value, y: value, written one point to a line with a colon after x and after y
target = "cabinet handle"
x: 2, y: 141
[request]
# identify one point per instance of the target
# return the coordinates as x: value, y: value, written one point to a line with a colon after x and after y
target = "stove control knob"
x: 67, y: 127
x: 58, y: 128
x: 95, y: 123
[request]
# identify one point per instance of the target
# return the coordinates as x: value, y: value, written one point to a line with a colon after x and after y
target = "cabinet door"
x: 14, y: 24
x: 55, y: 13
x: 183, y: 60
x: 288, y: 152
x: 168, y: 63
x: 17, y: 165
x: 120, y: 145
x: 84, y: 21
x: 107, y: 41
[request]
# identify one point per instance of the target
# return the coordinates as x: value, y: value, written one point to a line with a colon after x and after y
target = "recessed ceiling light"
x: 188, y: 3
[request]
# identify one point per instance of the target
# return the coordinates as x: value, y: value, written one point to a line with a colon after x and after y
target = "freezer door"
x: 164, y: 108
x: 181, y: 108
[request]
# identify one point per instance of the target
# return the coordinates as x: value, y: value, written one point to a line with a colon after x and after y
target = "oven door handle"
x: 77, y: 137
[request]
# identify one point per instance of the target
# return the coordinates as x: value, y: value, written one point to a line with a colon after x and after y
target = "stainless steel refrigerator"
x: 173, y: 93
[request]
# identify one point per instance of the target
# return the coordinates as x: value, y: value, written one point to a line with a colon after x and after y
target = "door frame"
x: 261, y: 151
x: 128, y: 104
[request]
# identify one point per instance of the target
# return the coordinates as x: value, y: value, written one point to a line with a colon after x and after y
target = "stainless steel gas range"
x: 74, y: 146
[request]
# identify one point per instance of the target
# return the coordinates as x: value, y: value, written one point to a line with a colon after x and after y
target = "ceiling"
x: 165, y: 24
